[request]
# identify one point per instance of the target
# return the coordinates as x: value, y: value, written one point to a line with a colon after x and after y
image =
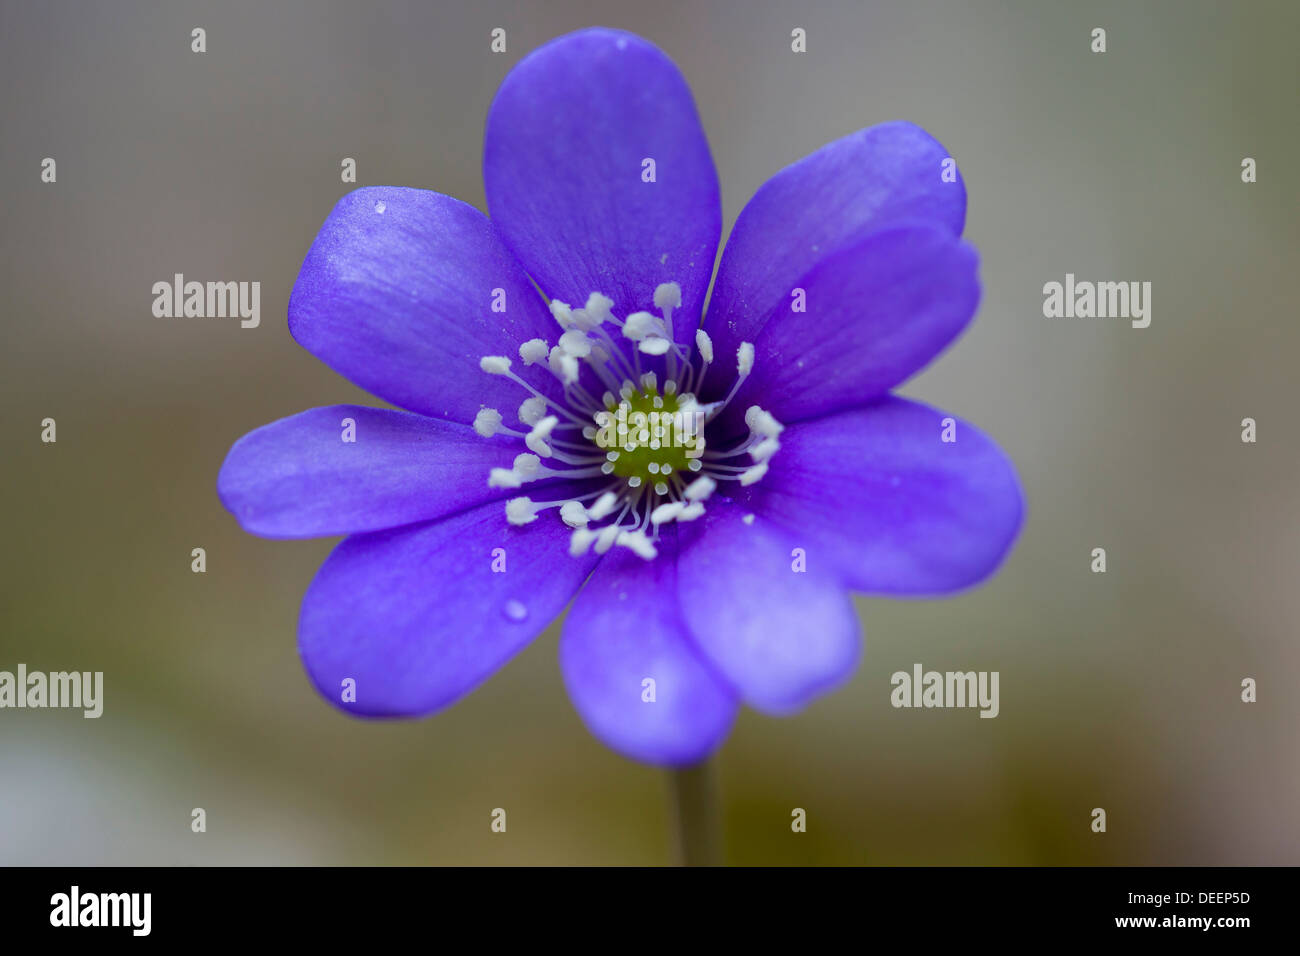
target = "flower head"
x: 718, y: 486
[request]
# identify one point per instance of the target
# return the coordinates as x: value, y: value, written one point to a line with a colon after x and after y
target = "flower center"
x: 640, y: 446
x: 650, y: 436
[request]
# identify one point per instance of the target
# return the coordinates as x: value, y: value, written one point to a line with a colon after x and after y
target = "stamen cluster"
x: 648, y: 440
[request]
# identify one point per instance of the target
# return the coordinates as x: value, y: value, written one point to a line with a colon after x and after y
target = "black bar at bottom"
x: 333, y: 904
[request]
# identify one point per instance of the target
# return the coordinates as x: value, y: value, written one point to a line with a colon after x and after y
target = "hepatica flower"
x: 706, y: 487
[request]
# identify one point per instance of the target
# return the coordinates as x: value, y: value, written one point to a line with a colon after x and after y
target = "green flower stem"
x: 696, y: 816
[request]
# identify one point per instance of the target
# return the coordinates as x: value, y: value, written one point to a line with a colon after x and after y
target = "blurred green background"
x: 1118, y: 690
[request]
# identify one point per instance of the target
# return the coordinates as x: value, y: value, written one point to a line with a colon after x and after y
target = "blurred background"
x: 1118, y: 690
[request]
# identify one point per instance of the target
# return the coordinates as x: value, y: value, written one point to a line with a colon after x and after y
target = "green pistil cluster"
x: 648, y: 436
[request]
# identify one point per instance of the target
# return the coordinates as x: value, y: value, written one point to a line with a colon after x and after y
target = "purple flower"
x: 720, y: 560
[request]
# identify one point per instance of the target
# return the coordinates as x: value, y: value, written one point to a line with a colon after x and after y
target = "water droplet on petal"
x: 380, y: 207
x: 515, y: 610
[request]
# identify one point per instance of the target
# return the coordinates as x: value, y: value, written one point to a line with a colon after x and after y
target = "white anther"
x: 668, y: 295
x: 691, y: 511
x: 666, y: 512
x: 654, y: 345
x: 605, y: 538
x: 639, y: 325
x: 534, y: 351
x: 575, y: 343
x: 649, y: 381
x: 765, y: 449
x: 753, y: 473
x: 604, y: 506
x: 494, y: 364
x: 564, y: 365
x: 745, y: 358
x: 536, y: 439
x: 638, y: 543
x: 544, y: 427
x: 487, y: 422
x: 562, y: 314
x: 597, y: 309
x: 520, y: 511
x: 700, y: 489
x: 527, y: 466
x: 532, y: 410
x: 504, y: 478
x: 573, y: 514
x: 762, y: 423
x: 704, y: 345
x: 580, y: 541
